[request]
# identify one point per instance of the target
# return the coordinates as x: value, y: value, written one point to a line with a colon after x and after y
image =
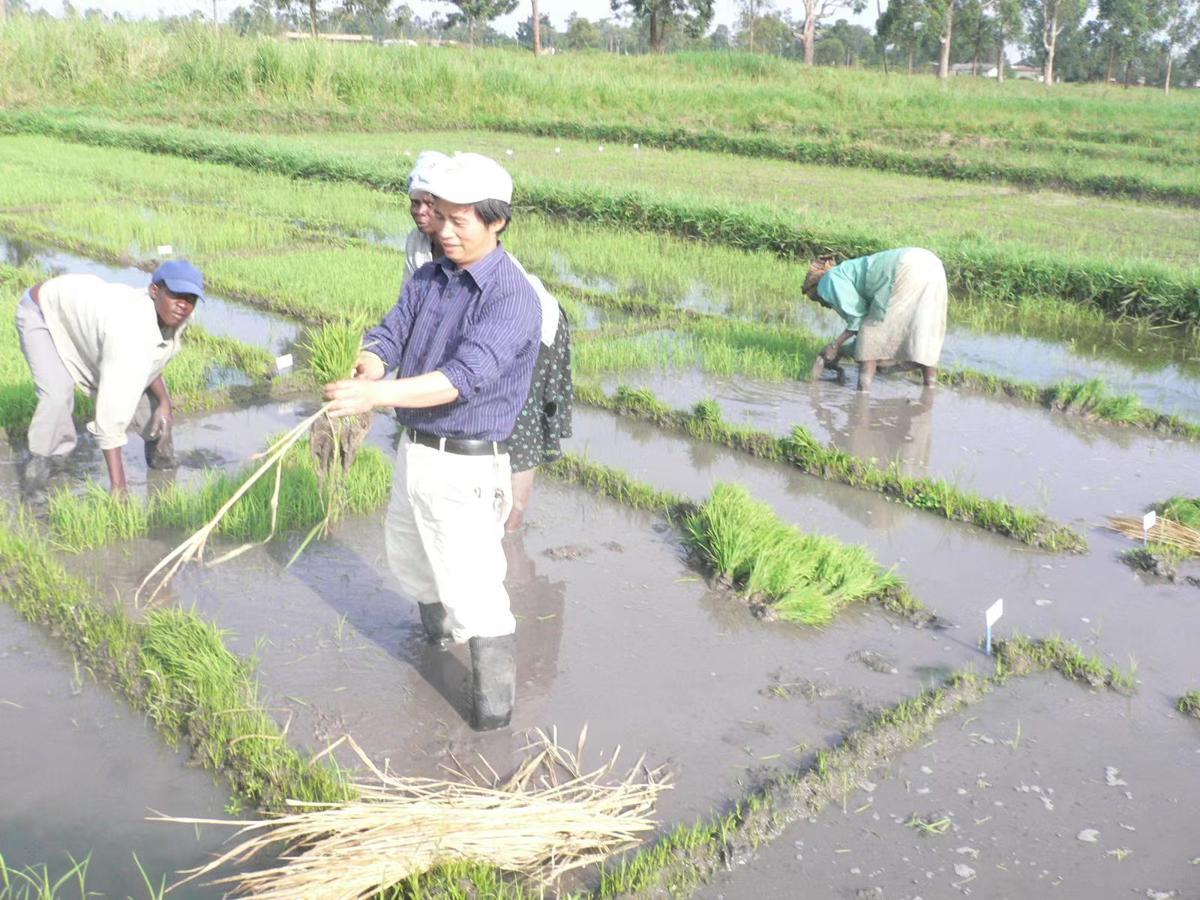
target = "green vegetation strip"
x: 172, y: 665
x: 1189, y: 704
x: 1156, y: 291
x: 781, y: 571
x: 1086, y: 136
x: 95, y: 518
x: 692, y: 854
x: 1184, y: 510
x: 805, y: 452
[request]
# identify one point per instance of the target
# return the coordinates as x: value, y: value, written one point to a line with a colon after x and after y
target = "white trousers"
x: 443, y: 530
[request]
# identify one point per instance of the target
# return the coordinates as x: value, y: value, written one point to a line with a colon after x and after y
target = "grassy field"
x: 753, y: 105
x: 1150, y: 288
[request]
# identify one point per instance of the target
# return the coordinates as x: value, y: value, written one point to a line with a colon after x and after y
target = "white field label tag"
x: 994, y: 612
x: 1149, y: 520
x: 283, y: 362
x: 165, y: 250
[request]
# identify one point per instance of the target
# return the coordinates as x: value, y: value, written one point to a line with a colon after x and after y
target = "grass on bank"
x: 1120, y: 288
x: 691, y: 855
x: 173, y: 666
x: 94, y: 518
x: 1189, y: 704
x: 749, y: 104
x: 779, y: 570
x: 805, y: 452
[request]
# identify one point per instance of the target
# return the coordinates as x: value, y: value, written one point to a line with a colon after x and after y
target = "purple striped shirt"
x: 480, y: 327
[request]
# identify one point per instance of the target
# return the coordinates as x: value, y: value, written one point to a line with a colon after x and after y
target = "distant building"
x: 1027, y: 73
x: 983, y: 70
x: 329, y: 36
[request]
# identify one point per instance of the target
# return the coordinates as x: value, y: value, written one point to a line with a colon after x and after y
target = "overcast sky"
x: 557, y: 10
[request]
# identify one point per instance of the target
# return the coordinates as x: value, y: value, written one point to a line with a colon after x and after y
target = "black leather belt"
x: 461, y: 446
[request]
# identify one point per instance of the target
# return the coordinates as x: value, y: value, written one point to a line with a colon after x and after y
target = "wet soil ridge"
x: 95, y: 518
x: 190, y: 372
x: 1146, y: 289
x: 1090, y: 399
x: 806, y: 453
x: 1172, y: 540
x: 692, y: 854
x: 173, y: 666
x: 780, y: 571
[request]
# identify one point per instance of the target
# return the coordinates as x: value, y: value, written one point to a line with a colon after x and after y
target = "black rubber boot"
x: 433, y: 617
x: 493, y: 681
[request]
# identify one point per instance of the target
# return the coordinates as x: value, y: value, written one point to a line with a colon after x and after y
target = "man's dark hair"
x: 490, y: 211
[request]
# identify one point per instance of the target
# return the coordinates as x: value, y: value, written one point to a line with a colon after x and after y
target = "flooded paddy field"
x: 621, y: 631
x: 1042, y: 789
x: 82, y: 772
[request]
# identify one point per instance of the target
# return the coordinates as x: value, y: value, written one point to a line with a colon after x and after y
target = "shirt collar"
x: 482, y: 270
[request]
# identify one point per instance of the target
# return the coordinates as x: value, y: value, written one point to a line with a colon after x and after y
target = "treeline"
x: 1131, y: 42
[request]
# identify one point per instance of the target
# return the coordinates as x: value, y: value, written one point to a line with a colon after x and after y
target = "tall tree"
x: 473, y: 13
x: 690, y: 16
x: 1180, y: 29
x: 1126, y: 26
x: 537, y: 28
x: 1006, y: 18
x: 816, y: 11
x: 901, y: 26
x: 582, y: 34
x: 1047, y: 21
x: 313, y: 7
x: 941, y: 20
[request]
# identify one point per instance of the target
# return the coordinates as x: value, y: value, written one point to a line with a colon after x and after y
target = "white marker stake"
x: 165, y: 250
x: 992, y: 616
x: 1149, y: 520
x: 283, y: 362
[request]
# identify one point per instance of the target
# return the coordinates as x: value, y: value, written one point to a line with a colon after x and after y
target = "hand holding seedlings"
x: 353, y: 397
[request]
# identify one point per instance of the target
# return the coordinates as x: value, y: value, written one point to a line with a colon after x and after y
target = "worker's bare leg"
x: 930, y: 375
x: 522, y: 488
x: 866, y: 374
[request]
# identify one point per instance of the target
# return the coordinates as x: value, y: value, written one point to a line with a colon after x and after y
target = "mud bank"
x: 82, y: 772
x: 1073, y: 470
x: 1042, y: 789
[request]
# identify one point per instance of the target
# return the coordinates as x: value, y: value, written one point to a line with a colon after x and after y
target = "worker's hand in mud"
x: 160, y: 423
x: 369, y: 366
x: 352, y: 398
x: 829, y: 353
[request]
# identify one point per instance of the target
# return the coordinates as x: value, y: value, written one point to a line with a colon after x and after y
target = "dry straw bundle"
x: 550, y: 817
x: 1165, y: 531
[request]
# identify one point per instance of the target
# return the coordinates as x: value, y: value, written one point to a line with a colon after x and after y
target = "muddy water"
x: 82, y: 771
x: 217, y: 315
x: 1074, y: 470
x: 1023, y: 778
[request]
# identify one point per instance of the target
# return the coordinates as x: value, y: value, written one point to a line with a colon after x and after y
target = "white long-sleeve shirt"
x: 108, y: 337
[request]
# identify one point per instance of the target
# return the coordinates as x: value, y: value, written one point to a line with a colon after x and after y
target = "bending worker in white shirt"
x: 111, y: 341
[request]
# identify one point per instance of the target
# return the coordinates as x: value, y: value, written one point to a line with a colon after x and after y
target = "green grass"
x: 1185, y: 510
x: 1189, y: 704
x: 94, y: 518
x: 779, y: 570
x: 1086, y: 137
x: 801, y: 576
x: 1119, y: 287
x: 802, y: 450
x: 173, y: 666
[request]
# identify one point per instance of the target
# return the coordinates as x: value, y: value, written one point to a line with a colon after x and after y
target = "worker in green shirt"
x: 894, y: 305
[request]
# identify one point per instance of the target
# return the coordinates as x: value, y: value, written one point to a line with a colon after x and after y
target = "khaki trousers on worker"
x: 51, y: 430
x: 443, y: 530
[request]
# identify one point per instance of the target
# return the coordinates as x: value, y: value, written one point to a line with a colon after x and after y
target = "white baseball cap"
x: 469, y: 178
x: 422, y: 171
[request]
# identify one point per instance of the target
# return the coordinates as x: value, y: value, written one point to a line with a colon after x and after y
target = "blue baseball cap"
x: 180, y: 277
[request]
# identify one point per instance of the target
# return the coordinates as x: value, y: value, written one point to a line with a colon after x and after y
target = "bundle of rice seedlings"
x: 1165, y: 531
x: 549, y: 818
x: 333, y: 351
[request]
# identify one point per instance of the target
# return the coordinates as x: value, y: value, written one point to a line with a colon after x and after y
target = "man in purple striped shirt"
x: 464, y: 337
